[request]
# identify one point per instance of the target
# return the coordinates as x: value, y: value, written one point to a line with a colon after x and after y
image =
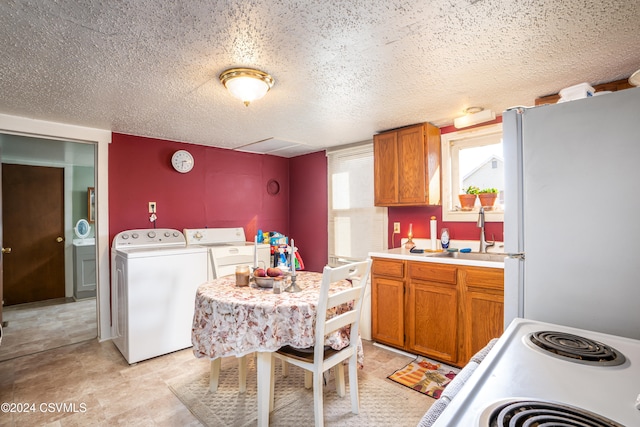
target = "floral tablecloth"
x: 235, y: 321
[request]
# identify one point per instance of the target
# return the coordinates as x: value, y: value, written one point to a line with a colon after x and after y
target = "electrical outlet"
x: 396, y: 227
x: 152, y: 207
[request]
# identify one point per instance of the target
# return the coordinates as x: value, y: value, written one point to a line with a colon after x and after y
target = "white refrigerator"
x: 572, y: 217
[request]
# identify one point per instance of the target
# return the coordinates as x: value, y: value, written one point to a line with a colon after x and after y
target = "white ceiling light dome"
x: 246, y: 84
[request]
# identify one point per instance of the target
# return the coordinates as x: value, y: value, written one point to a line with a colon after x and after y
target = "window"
x: 472, y: 157
x: 356, y: 226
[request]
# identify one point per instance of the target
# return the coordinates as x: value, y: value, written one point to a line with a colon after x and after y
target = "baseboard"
x: 395, y: 350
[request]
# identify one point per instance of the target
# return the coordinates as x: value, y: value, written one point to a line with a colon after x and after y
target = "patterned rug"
x: 382, y: 402
x: 426, y: 376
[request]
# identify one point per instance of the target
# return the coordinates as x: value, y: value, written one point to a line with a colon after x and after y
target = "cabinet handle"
x: 6, y: 250
x: 59, y: 239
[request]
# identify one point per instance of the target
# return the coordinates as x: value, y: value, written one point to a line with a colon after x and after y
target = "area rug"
x: 382, y: 402
x: 426, y: 376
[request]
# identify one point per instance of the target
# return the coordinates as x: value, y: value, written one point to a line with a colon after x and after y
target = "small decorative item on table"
x: 293, y: 287
x: 242, y: 275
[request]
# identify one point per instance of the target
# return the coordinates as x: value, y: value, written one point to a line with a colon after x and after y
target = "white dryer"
x: 227, y: 248
x: 154, y: 281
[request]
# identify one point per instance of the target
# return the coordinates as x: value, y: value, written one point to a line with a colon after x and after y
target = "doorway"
x: 39, y: 318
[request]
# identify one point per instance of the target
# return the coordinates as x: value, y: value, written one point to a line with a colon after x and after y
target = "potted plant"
x: 488, y: 198
x: 468, y: 199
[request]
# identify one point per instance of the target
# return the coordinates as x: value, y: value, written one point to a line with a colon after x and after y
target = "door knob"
x: 6, y: 250
x: 59, y: 239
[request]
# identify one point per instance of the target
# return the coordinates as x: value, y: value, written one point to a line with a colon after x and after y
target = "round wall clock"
x: 182, y: 161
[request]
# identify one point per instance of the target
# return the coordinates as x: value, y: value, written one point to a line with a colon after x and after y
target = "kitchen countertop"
x: 404, y: 254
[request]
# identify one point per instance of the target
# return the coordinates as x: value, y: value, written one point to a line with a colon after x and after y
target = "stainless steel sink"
x: 475, y: 256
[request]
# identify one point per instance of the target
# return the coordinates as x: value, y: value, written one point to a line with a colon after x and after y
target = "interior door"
x: 33, y: 225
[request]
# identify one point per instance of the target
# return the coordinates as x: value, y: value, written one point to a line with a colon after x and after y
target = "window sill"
x: 472, y: 216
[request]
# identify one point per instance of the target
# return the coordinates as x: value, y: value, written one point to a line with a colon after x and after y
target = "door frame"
x: 102, y: 138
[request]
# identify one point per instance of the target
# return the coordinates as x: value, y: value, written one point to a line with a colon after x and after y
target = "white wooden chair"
x: 222, y: 266
x: 323, y: 358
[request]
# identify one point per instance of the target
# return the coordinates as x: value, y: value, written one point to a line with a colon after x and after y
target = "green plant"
x: 472, y: 189
x: 488, y: 190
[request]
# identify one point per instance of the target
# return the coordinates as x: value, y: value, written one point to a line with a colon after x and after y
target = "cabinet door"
x: 387, y: 310
x: 432, y: 320
x: 385, y: 164
x: 411, y: 171
x: 483, y: 308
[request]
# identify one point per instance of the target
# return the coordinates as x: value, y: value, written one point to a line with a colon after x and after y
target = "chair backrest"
x: 223, y: 260
x: 358, y: 274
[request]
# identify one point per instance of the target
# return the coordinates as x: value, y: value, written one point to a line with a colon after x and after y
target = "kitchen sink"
x: 475, y: 256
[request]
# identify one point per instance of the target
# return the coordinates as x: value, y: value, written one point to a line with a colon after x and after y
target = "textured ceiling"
x: 343, y: 70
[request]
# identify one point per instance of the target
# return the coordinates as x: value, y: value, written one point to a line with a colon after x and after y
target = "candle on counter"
x: 293, y: 258
x: 433, y: 232
x: 255, y: 252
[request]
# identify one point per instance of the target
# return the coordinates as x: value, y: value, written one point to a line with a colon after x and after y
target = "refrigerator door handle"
x: 517, y: 255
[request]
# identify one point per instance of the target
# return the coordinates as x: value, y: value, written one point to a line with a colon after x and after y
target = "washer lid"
x: 82, y: 228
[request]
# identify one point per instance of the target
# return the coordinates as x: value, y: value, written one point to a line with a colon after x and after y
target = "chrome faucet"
x: 483, y: 243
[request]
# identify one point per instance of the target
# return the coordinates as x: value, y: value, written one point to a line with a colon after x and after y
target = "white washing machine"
x: 154, y: 281
x: 227, y: 248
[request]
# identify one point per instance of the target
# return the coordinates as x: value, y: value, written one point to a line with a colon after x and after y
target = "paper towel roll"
x: 433, y: 232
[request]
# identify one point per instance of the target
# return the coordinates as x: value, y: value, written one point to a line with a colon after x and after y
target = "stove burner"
x: 522, y: 413
x: 576, y: 348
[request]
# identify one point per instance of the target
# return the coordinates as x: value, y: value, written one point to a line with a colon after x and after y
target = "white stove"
x: 551, y: 372
x: 228, y: 247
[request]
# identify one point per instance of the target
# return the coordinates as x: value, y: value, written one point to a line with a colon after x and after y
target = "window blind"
x: 356, y: 226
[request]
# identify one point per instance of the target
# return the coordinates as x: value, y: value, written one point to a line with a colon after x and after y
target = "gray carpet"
x: 382, y: 402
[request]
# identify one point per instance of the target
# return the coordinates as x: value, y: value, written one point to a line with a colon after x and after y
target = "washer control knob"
x: 176, y: 234
x: 167, y: 234
x: 124, y: 236
x: 151, y: 234
x: 135, y: 235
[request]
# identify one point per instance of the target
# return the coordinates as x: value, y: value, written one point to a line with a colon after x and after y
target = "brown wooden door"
x: 33, y: 227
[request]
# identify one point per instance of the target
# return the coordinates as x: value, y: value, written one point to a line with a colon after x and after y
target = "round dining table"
x: 232, y: 320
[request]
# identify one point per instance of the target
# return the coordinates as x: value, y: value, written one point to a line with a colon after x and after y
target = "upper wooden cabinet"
x: 407, y: 166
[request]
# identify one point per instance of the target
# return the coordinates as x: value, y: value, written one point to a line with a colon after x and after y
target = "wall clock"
x: 182, y: 161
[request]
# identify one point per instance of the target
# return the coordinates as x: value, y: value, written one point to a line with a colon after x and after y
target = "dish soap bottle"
x: 444, y: 238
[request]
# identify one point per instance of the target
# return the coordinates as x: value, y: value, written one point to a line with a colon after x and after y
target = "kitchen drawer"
x: 388, y: 268
x: 488, y: 279
x: 433, y: 272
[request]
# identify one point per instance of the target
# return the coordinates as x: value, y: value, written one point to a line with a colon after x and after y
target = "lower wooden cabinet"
x: 387, y: 302
x: 444, y: 311
x: 483, y: 310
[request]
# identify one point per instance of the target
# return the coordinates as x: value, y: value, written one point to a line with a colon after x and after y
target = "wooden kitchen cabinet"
x: 483, y: 311
x: 432, y: 311
x: 387, y: 301
x: 407, y: 166
x: 447, y: 312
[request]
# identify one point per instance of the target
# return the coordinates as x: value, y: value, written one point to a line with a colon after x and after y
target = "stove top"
x: 589, y: 372
x: 517, y: 412
x: 575, y: 348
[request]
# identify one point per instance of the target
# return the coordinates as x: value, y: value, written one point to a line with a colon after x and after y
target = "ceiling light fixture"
x: 473, y: 116
x: 246, y: 84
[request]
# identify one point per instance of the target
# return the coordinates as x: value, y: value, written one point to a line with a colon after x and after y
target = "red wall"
x: 309, y: 216
x: 420, y: 216
x: 225, y: 188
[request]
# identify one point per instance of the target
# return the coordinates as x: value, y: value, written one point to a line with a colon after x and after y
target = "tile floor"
x: 95, y: 381
x: 44, y: 325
